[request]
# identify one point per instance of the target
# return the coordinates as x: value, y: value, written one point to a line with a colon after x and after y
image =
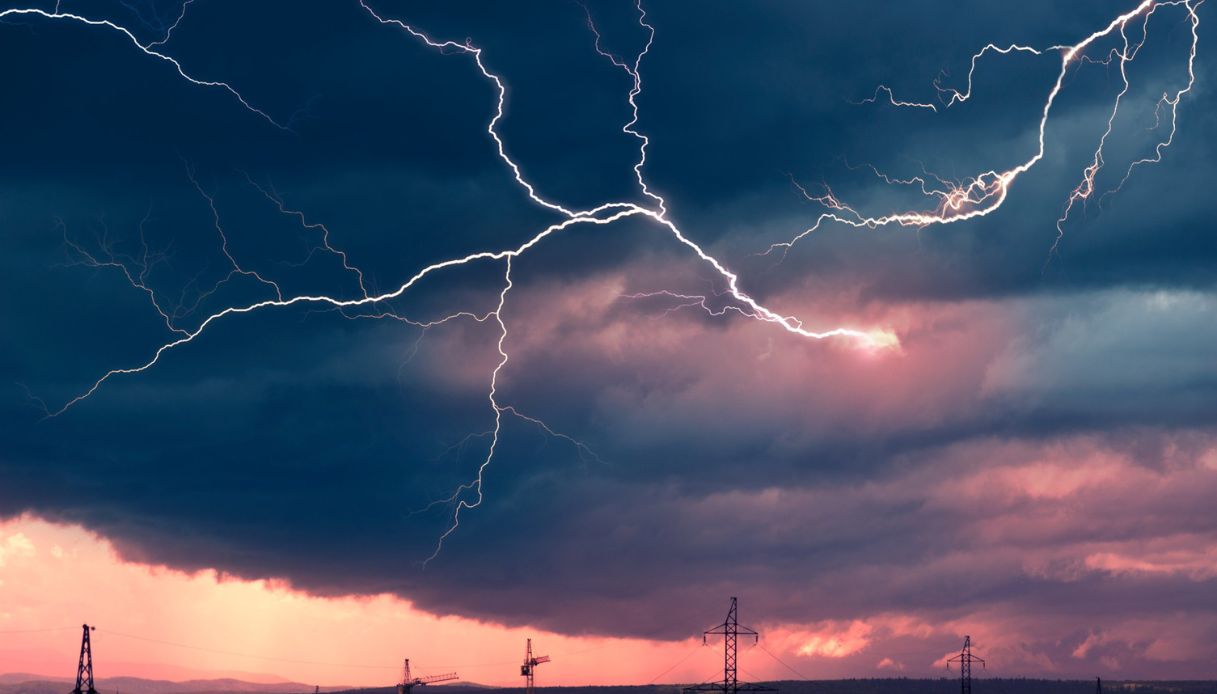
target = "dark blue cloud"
x: 305, y: 444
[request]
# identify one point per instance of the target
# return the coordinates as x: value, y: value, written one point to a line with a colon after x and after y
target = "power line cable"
x: 246, y: 655
x: 37, y: 631
x: 784, y: 664
x: 673, y: 666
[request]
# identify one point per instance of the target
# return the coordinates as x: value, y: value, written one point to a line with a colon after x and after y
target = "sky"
x: 336, y: 333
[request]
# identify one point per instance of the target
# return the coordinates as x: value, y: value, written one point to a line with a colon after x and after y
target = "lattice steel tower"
x: 84, y: 669
x: 529, y: 668
x: 730, y: 630
x: 409, y: 682
x: 965, y: 660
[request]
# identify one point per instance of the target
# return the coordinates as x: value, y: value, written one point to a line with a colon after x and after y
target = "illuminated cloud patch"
x: 1028, y: 457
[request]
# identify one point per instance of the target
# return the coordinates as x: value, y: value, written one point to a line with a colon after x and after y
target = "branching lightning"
x: 954, y: 202
x: 146, y: 48
x: 985, y: 192
x: 134, y: 270
x: 270, y: 194
x: 236, y: 267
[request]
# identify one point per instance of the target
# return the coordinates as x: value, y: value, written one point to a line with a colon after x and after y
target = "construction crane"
x: 408, y: 683
x: 529, y: 668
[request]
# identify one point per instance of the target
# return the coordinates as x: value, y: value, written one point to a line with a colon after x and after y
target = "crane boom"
x: 529, y: 668
x: 408, y: 682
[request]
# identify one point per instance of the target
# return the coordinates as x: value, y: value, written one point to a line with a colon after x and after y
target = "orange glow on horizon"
x: 164, y: 624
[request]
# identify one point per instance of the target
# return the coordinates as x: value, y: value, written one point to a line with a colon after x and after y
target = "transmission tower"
x: 730, y: 630
x: 1098, y: 685
x: 408, y: 683
x: 965, y: 660
x: 529, y: 668
x: 84, y: 669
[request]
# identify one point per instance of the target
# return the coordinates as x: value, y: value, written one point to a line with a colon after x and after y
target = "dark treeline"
x: 876, y: 686
x: 853, y: 686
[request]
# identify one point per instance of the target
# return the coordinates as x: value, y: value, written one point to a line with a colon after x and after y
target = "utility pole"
x: 730, y: 630
x: 965, y: 660
x: 529, y: 668
x: 84, y: 669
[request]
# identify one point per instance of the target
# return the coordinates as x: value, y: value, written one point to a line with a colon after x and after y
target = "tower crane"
x: 408, y: 683
x: 528, y: 669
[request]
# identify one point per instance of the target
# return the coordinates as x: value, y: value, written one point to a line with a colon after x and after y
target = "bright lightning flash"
x: 985, y: 192
x: 955, y: 202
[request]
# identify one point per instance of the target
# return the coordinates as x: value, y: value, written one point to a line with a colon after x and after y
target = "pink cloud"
x: 156, y: 622
x: 833, y: 640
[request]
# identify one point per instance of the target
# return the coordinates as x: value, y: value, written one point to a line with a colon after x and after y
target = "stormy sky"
x: 1036, y: 461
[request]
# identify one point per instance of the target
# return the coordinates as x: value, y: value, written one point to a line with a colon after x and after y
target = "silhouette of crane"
x: 529, y: 668
x: 84, y: 669
x: 408, y: 683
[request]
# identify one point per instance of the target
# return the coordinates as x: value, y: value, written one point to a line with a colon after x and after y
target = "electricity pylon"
x: 965, y: 660
x: 730, y: 630
x: 84, y: 669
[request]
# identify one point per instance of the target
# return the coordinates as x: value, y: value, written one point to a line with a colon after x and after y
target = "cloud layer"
x: 1034, y: 465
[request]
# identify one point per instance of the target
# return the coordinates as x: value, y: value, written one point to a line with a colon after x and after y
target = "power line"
x: 965, y: 660
x: 496, y: 663
x: 690, y: 654
x: 516, y: 662
x: 749, y: 674
x: 673, y: 666
x: 730, y: 630
x: 771, y: 655
x: 297, y: 661
x: 247, y: 655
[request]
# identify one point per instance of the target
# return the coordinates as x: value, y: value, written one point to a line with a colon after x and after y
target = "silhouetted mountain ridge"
x: 19, y: 683
x: 876, y: 686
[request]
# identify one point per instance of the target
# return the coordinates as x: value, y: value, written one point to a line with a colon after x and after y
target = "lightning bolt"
x: 985, y: 192
x: 145, y: 48
x: 172, y: 27
x: 635, y: 73
x: 1123, y: 56
x: 236, y: 267
x: 273, y: 196
x: 135, y: 270
x: 955, y: 201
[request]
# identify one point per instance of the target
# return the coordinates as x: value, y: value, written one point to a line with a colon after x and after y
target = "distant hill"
x: 17, y: 683
x: 875, y: 686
